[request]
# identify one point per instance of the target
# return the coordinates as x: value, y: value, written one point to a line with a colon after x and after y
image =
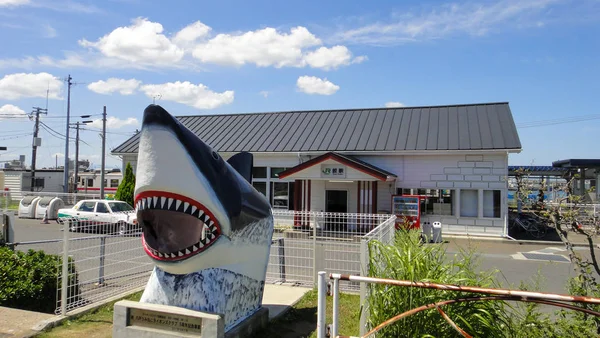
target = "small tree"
x: 127, y: 187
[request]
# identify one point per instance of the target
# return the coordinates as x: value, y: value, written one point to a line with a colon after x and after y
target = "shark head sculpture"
x: 201, y: 218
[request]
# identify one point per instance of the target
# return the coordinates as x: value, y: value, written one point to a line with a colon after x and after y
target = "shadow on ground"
x: 519, y: 233
x: 296, y: 323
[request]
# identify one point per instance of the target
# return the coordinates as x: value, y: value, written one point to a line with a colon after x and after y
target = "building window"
x: 259, y: 172
x: 261, y: 187
x: 105, y: 184
x: 468, y: 203
x: 280, y: 195
x: 39, y: 182
x: 438, y: 202
x: 491, y: 203
x: 114, y: 183
x: 275, y: 172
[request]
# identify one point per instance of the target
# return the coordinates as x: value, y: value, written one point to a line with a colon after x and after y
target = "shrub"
x: 29, y: 280
x: 127, y: 187
x: 409, y: 259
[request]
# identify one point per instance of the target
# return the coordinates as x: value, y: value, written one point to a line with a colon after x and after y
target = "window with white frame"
x: 492, y: 203
x: 469, y: 203
x: 439, y: 201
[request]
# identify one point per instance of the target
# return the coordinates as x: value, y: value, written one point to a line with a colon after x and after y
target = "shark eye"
x: 215, y: 155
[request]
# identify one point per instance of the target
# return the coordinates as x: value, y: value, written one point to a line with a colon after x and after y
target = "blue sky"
x: 240, y: 56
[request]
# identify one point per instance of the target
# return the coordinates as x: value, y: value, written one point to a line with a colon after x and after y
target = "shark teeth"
x: 210, y: 231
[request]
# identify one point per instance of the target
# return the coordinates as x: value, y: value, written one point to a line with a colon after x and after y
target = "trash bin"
x: 426, y: 228
x: 437, y: 232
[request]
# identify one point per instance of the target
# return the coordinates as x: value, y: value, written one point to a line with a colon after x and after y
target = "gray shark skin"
x: 207, y: 230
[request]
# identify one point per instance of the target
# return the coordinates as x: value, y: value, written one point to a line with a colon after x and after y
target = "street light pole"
x: 103, y: 152
x: 76, y: 178
x: 66, y: 173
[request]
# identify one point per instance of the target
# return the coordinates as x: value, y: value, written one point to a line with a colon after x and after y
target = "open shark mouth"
x: 174, y: 227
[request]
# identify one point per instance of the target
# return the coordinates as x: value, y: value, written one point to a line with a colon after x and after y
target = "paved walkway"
x: 18, y: 323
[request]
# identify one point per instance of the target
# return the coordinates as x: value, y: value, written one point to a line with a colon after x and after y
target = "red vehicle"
x: 407, y: 207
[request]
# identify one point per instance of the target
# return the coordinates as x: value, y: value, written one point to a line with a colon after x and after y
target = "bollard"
x: 102, y: 254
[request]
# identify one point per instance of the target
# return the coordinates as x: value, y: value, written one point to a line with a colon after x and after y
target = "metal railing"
x: 491, y: 294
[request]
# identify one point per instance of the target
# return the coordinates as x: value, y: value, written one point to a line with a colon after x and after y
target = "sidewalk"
x: 16, y: 323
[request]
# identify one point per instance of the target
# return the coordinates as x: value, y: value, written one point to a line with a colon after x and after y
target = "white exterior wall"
x: 480, y: 172
x: 454, y: 172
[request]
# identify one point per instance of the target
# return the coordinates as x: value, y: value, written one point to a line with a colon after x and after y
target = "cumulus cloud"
x: 264, y: 47
x: 394, y: 104
x: 315, y: 85
x: 115, y: 122
x: 145, y: 44
x: 331, y: 58
x: 22, y: 85
x: 9, y: 111
x: 197, y: 96
x: 124, y: 87
x: 142, y: 42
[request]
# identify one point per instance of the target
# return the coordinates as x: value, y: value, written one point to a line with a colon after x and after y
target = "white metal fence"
x: 102, y: 260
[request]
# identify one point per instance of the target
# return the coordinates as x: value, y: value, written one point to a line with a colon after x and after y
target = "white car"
x: 105, y: 215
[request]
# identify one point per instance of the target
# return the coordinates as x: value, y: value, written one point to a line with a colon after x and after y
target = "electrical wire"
x: 551, y: 122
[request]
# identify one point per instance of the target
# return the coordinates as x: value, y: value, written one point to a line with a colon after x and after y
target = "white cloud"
x: 432, y: 22
x: 16, y: 86
x: 265, y: 47
x: 315, y: 85
x: 49, y: 31
x: 114, y: 122
x: 145, y: 45
x: 8, y: 111
x: 264, y: 93
x: 198, y: 96
x: 191, y: 33
x: 394, y: 104
x: 14, y: 3
x: 331, y: 58
x: 142, y: 42
x: 124, y: 87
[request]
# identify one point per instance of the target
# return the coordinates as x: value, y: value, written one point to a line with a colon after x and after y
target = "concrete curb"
x: 53, y: 322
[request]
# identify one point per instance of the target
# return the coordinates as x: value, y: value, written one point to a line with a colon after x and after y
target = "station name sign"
x: 333, y: 171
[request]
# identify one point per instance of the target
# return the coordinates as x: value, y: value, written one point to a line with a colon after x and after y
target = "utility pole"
x: 76, y: 177
x: 66, y: 174
x: 36, y: 142
x: 103, y: 152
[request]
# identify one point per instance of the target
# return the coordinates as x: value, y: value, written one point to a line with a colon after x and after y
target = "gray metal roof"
x: 485, y: 126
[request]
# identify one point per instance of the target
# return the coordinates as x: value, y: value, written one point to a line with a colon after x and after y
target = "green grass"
x: 94, y: 324
x: 12, y: 204
x: 299, y: 321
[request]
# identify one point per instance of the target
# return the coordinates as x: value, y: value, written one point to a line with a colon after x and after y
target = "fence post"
x: 321, y: 305
x: 102, y: 254
x: 281, y: 252
x: 336, y: 305
x: 364, y: 261
x: 65, y: 270
x: 314, y: 241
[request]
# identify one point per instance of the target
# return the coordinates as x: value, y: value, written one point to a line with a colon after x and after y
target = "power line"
x: 551, y: 122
